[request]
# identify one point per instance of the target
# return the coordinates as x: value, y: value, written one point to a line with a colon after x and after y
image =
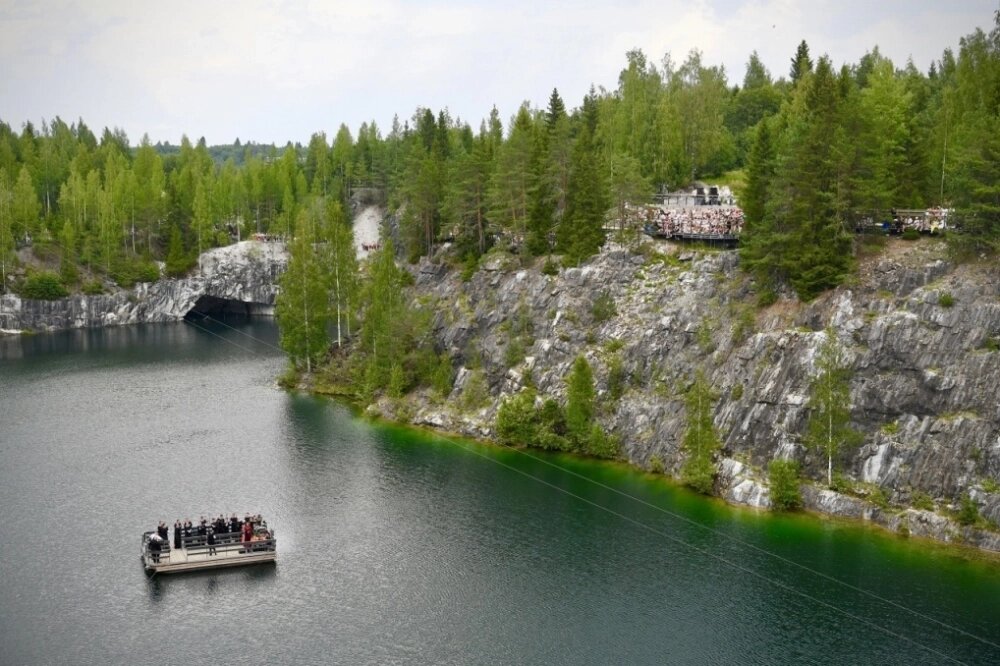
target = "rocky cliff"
x: 920, y: 333
x: 241, y: 276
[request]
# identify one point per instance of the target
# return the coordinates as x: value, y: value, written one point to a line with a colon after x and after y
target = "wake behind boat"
x: 221, y: 543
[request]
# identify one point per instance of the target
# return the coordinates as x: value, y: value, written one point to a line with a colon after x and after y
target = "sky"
x: 280, y: 71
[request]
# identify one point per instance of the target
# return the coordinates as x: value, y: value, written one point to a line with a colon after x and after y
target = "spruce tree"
x: 802, y: 64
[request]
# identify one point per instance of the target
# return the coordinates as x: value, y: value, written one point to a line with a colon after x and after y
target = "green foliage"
x: 178, y: 261
x: 43, y: 286
x: 616, y: 379
x: 701, y: 442
x: 946, y: 300
x: 443, y: 376
x: 128, y: 272
x: 397, y: 381
x: 93, y: 288
x: 921, y: 500
x: 737, y: 392
x: 991, y: 485
x: 841, y: 484
x: 891, y: 428
x: 784, y: 478
x: 910, y: 235
x: 968, y: 511
x: 828, y: 430
x: 550, y: 267
x: 656, y: 464
x: 514, y: 352
x: 991, y: 344
x: 580, y: 398
x: 520, y: 423
x: 603, y: 307
x: 475, y: 394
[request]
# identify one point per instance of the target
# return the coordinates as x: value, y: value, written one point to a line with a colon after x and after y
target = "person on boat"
x: 202, y: 527
x: 211, y: 542
x: 234, y: 524
x: 188, y: 526
x: 177, y: 534
x: 247, y: 535
x: 162, y: 531
x: 155, y: 545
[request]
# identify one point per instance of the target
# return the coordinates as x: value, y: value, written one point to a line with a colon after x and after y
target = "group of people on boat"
x: 209, y: 533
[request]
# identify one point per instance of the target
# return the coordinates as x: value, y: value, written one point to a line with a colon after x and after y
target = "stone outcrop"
x: 920, y: 334
x: 245, y: 273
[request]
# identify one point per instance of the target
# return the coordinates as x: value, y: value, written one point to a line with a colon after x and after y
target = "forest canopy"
x: 809, y: 147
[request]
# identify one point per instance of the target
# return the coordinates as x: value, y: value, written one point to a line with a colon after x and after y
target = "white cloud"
x: 277, y: 71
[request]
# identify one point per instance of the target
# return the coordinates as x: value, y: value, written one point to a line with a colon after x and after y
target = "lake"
x: 401, y: 547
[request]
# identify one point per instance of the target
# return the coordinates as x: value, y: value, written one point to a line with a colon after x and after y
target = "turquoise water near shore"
x: 398, y: 546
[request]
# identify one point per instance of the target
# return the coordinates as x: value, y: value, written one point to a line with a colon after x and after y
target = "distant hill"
x: 238, y: 152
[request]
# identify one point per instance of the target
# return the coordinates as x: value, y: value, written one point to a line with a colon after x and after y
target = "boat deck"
x: 200, y: 557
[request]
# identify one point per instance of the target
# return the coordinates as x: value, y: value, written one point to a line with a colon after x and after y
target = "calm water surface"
x: 398, y: 548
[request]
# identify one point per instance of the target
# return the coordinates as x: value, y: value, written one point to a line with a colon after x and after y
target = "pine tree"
x: 828, y: 430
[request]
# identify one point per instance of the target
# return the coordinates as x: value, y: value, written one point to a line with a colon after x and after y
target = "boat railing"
x: 198, y: 547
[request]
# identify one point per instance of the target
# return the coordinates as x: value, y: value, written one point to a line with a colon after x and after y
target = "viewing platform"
x: 197, y: 554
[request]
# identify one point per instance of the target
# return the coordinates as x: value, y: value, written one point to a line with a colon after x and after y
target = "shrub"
x: 767, y: 297
x: 469, y: 267
x: 991, y: 486
x: 43, y: 286
x: 879, y: 497
x: 946, y: 300
x: 784, y: 477
x: 841, y: 484
x: 921, y: 500
x: 616, y: 379
x: 550, y: 268
x: 441, y: 378
x: 514, y: 353
x: 911, y: 235
x: 991, y: 344
x: 93, y: 288
x: 656, y: 464
x: 397, y: 381
x: 603, y: 307
x: 968, y: 512
x: 475, y: 395
x: 891, y: 428
x: 737, y: 392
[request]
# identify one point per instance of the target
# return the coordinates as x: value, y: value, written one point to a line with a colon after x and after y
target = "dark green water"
x: 399, y: 548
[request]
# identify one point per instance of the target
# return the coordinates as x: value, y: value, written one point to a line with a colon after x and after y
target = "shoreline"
x: 954, y: 547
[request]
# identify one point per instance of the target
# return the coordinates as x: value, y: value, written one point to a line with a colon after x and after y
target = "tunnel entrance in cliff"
x: 212, y: 307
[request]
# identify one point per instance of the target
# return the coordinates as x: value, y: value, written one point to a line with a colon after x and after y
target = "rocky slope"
x: 244, y: 273
x: 924, y: 387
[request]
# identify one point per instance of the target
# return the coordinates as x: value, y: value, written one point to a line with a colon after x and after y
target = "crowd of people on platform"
x: 696, y: 221
x: 930, y: 221
x: 269, y: 238
x: 371, y: 247
x: 220, y: 530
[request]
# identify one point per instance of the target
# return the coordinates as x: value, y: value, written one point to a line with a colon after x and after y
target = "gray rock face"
x: 924, y: 387
x: 246, y: 272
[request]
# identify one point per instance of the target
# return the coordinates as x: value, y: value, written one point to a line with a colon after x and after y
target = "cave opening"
x: 212, y: 307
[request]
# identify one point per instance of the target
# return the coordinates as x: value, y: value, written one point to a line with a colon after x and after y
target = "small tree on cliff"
x: 829, y: 430
x: 701, y: 442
